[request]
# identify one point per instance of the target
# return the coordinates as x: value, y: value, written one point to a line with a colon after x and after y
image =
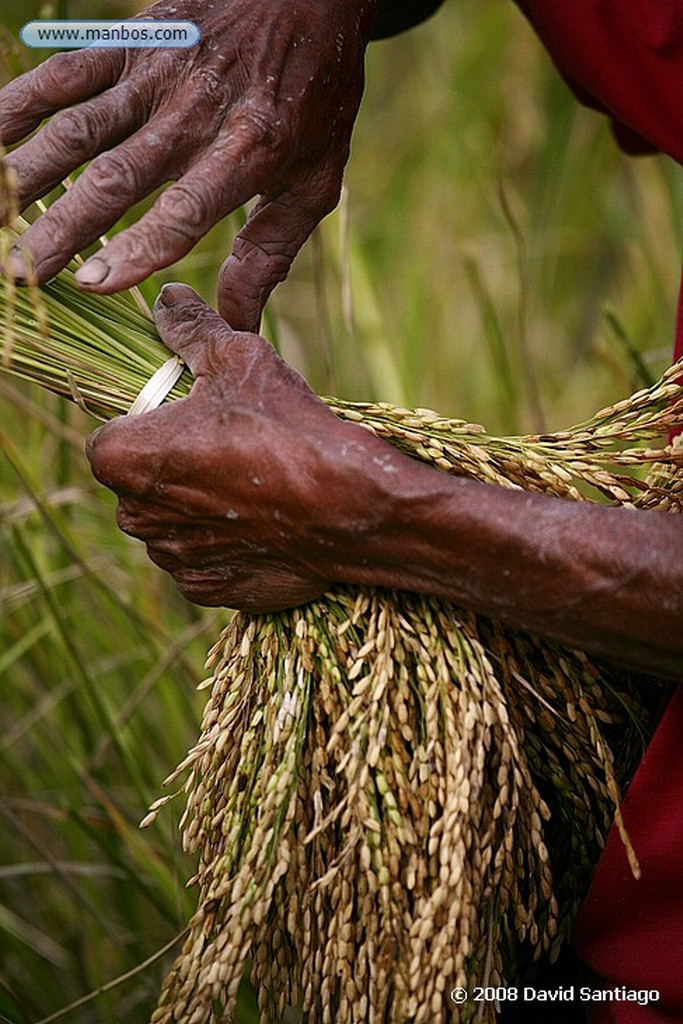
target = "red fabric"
x: 625, y: 57
x: 678, y: 349
x: 630, y: 932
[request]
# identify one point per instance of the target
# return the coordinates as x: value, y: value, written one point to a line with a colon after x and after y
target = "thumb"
x: 191, y: 329
x: 209, y: 346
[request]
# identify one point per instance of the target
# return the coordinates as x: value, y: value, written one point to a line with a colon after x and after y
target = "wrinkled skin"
x: 219, y: 484
x: 263, y: 106
x: 252, y: 494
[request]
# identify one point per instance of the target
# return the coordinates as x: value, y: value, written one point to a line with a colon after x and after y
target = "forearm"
x: 606, y: 580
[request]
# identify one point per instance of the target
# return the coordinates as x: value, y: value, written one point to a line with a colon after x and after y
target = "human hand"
x: 263, y: 106
x: 250, y: 492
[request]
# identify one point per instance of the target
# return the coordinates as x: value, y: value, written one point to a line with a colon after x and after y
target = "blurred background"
x: 495, y: 257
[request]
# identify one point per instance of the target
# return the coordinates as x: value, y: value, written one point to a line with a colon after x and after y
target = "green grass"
x: 506, y: 264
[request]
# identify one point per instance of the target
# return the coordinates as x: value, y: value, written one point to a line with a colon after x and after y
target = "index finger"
x: 125, y: 455
x: 61, y: 81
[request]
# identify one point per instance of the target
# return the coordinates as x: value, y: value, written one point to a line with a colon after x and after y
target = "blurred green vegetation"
x: 495, y: 257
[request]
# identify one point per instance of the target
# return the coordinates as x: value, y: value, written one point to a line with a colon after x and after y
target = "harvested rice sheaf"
x: 390, y: 797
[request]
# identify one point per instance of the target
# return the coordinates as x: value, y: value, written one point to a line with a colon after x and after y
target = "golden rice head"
x: 391, y: 797
x: 376, y: 797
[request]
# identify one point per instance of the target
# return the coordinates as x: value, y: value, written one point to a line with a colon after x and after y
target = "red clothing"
x: 630, y: 933
x: 625, y: 57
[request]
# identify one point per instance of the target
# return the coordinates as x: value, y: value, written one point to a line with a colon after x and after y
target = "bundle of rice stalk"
x: 391, y: 798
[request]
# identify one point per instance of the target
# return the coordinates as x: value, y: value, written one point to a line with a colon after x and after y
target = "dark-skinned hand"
x: 263, y: 106
x: 252, y: 494
x: 241, y: 490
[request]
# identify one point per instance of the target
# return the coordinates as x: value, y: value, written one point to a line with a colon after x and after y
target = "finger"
x: 272, y: 588
x: 62, y: 80
x: 72, y: 137
x: 237, y: 168
x: 125, y: 454
x: 192, y: 329
x: 265, y: 248
x: 176, y: 221
x: 248, y: 366
x: 112, y: 183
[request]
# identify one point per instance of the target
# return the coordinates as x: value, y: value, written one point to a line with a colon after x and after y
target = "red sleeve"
x: 624, y: 57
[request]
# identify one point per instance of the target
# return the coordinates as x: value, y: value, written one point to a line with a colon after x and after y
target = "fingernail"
x: 15, y: 268
x: 91, y: 442
x: 95, y: 271
x: 175, y: 292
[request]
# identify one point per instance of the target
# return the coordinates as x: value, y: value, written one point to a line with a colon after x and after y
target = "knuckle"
x: 99, y: 450
x: 145, y: 245
x: 109, y: 451
x: 161, y: 558
x: 73, y: 74
x: 272, y: 255
x: 327, y: 199
x: 60, y: 70
x: 205, y: 95
x: 324, y: 193
x: 186, y: 210
x: 113, y: 174
x: 166, y: 546
x: 210, y: 589
x: 210, y: 88
x: 126, y: 520
x: 74, y: 131
x: 142, y: 246
x: 260, y: 124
